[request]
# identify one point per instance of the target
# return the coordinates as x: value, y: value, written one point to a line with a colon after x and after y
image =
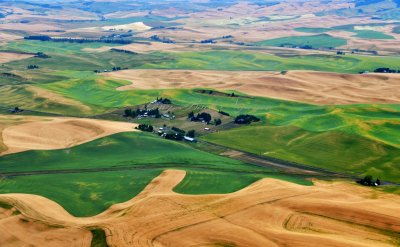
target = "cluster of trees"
x: 16, y: 110
x: 306, y: 47
x: 152, y: 113
x: 246, y: 119
x: 113, y: 69
x: 77, y: 40
x: 117, y: 68
x: 207, y: 91
x: 203, y: 116
x: 32, y: 67
x: 124, y: 51
x: 208, y: 41
x: 164, y: 101
x: 7, y: 74
x: 178, y: 134
x: 364, y: 51
x: 130, y: 113
x: 368, y: 180
x: 42, y: 55
x: 340, y: 53
x: 223, y: 113
x: 163, y: 39
x: 386, y: 70
x: 145, y: 127
x: 55, y: 31
x: 178, y: 130
x: 140, y: 112
x: 174, y: 136
x: 191, y: 134
x: 213, y: 41
x: 218, y: 93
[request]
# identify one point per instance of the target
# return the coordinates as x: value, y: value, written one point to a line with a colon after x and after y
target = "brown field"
x: 21, y: 133
x: 141, y: 47
x: 304, y: 86
x: 8, y: 37
x: 6, y: 57
x: 28, y: 27
x: 267, y: 213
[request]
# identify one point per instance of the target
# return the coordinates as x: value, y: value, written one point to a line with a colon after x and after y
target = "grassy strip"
x: 314, y: 41
x: 99, y: 238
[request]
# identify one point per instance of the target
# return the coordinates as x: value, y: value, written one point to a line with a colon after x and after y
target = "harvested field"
x: 140, y: 47
x: 47, y: 133
x: 6, y: 57
x: 305, y: 86
x: 267, y: 213
x: 8, y: 37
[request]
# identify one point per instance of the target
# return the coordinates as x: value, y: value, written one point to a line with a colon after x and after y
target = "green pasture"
x: 355, y: 119
x: 363, y: 34
x: 370, y: 34
x: 312, y: 29
x: 331, y: 150
x: 376, y: 122
x: 120, y: 167
x: 371, y: 121
x: 315, y: 41
x: 74, y: 57
x: 238, y: 60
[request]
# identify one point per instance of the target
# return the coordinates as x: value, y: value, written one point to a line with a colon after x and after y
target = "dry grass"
x: 305, y: 86
x: 47, y: 133
x: 6, y: 57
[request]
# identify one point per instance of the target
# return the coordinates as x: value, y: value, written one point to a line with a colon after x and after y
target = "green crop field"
x: 352, y: 119
x: 370, y: 121
x: 223, y: 138
x: 370, y: 34
x: 238, y: 60
x: 314, y: 41
x: 365, y: 125
x: 312, y: 29
x: 356, y: 139
x: 332, y: 150
x: 123, y: 165
x: 75, y: 58
x: 67, y: 56
x: 363, y: 34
